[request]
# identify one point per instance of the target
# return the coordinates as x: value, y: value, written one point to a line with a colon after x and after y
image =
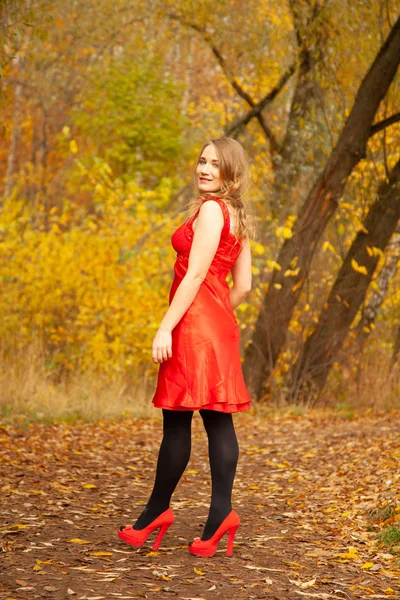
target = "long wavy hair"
x: 234, y: 173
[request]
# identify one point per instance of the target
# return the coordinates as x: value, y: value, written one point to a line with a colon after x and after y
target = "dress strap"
x: 225, y: 212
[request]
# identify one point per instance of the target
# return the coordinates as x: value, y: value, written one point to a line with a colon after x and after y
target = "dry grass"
x: 28, y: 393
x: 374, y: 383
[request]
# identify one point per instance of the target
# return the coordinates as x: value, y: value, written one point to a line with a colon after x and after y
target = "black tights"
x: 174, y: 456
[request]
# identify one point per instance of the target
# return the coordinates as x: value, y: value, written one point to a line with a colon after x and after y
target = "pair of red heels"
x: 137, y: 537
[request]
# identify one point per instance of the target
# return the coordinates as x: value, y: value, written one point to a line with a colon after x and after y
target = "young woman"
x: 197, y: 346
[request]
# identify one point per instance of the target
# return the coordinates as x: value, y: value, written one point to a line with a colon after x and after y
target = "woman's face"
x: 207, y: 171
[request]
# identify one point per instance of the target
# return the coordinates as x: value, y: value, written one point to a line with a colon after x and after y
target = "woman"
x: 197, y: 347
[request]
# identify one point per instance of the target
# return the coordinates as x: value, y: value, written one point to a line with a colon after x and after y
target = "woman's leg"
x: 173, y: 457
x: 223, y: 453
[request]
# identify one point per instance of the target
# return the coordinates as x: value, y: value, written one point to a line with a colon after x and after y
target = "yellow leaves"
x: 286, y: 231
x: 17, y: 526
x: 99, y: 189
x: 257, y: 248
x: 73, y: 146
x: 283, y: 233
x: 38, y: 564
x: 360, y: 226
x: 79, y: 541
x: 375, y: 251
x: 351, y: 554
x: 358, y: 268
x: 101, y: 553
x: 198, y: 571
x: 89, y: 486
x: 328, y: 246
x: 367, y: 565
x: 272, y: 264
x: 297, y: 285
x: 277, y: 286
x: 291, y: 272
x: 89, y: 291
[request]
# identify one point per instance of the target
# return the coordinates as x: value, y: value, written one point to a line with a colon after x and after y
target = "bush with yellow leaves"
x: 90, y: 283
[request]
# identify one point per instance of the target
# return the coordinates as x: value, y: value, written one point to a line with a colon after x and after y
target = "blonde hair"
x: 234, y: 173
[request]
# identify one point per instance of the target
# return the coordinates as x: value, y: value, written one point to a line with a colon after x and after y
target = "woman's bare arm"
x: 241, y: 275
x: 206, y: 238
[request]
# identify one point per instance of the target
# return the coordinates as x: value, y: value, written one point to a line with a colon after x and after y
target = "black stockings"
x: 174, y: 455
x: 223, y: 453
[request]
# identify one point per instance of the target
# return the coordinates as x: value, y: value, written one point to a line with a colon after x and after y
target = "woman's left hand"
x: 162, y: 345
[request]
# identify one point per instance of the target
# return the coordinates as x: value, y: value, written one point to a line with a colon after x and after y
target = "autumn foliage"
x: 101, y: 126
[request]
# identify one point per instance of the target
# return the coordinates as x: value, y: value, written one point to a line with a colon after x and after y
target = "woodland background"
x: 104, y: 106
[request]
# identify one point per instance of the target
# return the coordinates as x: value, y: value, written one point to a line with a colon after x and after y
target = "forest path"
x: 305, y: 490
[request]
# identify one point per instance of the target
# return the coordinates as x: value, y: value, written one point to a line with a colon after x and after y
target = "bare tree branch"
x: 380, y: 125
x: 256, y: 107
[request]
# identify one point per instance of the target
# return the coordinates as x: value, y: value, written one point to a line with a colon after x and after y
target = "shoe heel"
x: 160, y: 536
x: 232, y: 533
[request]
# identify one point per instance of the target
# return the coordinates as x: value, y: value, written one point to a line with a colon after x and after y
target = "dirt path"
x: 305, y: 488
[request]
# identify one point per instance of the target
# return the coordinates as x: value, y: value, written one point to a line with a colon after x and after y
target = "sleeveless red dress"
x: 205, y: 369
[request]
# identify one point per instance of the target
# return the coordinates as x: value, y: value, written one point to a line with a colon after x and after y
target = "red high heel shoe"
x: 137, y: 537
x: 209, y: 547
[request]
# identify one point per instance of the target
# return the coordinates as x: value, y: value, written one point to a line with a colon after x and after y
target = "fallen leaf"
x: 303, y: 584
x: 16, y: 526
x: 351, y: 554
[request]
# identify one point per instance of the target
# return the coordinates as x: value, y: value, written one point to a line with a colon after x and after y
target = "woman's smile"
x: 208, y: 172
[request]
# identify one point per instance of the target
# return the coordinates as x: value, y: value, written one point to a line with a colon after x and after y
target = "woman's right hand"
x: 162, y: 345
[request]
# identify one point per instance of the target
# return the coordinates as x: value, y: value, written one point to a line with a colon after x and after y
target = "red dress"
x: 205, y: 369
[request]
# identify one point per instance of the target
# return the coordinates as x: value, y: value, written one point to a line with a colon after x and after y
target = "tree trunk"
x: 311, y: 370
x: 396, y: 349
x: 297, y: 252
x: 301, y: 150
x: 370, y: 312
x: 15, y: 135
